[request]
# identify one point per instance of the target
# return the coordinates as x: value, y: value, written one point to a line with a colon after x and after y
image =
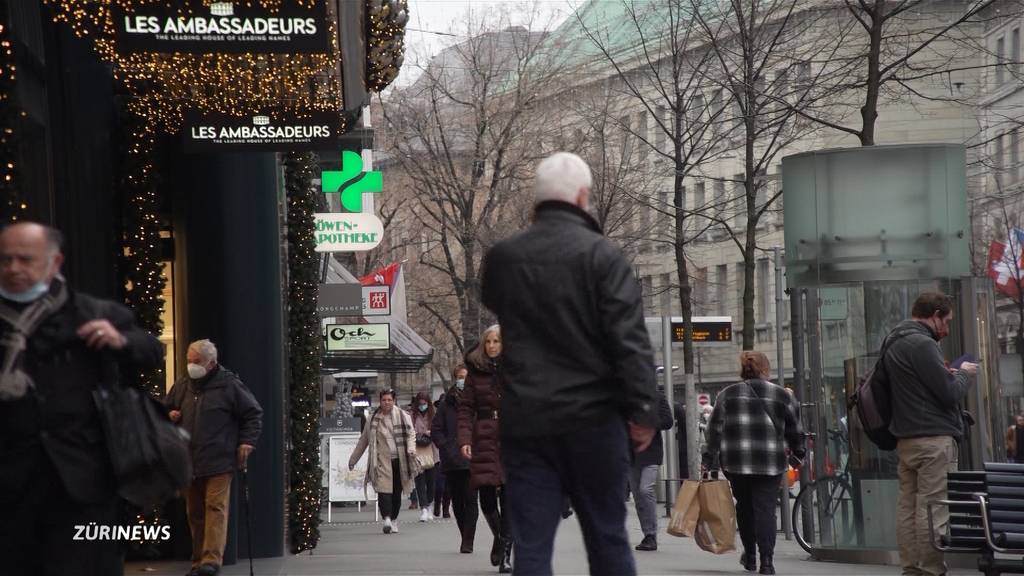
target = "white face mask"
x: 460, y: 384
x: 32, y: 294
x: 195, y: 371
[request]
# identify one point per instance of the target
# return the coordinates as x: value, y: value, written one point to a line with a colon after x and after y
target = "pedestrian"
x: 751, y: 425
x: 444, y: 433
x: 426, y: 454
x: 390, y: 441
x: 442, y: 497
x: 57, y: 345
x: 223, y: 420
x: 643, y: 476
x: 480, y: 443
x: 577, y: 375
x: 1015, y: 440
x: 928, y: 422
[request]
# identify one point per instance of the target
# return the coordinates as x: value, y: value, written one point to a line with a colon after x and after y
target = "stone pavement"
x: 354, y: 545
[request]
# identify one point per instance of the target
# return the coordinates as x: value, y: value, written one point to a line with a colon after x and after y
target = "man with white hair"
x: 578, y: 373
x: 224, y: 421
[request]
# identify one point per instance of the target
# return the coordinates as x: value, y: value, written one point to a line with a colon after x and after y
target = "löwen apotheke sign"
x: 209, y: 132
x: 224, y: 27
x: 347, y: 337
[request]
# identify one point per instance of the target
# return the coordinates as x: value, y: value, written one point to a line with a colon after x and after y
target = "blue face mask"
x: 34, y: 293
x: 423, y: 407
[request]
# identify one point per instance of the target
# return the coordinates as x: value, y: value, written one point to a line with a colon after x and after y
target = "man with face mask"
x: 56, y: 345
x: 224, y: 421
x: 927, y: 420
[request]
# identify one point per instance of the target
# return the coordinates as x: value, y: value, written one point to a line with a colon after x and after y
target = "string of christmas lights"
x: 305, y: 473
x: 13, y: 206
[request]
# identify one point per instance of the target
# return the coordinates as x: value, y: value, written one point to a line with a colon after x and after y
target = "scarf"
x: 14, y: 381
x: 407, y: 466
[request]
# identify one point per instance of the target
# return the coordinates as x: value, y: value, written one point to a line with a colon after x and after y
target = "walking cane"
x: 248, y: 515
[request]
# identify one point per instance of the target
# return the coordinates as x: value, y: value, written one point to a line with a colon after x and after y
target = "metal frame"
x: 981, y: 500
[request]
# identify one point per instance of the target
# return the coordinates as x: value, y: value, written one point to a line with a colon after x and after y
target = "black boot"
x: 648, y: 544
x: 766, y: 565
x: 494, y: 521
x: 505, y: 567
x: 749, y: 561
x: 468, y: 536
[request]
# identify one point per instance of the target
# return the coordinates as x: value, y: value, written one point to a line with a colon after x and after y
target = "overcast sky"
x: 426, y: 17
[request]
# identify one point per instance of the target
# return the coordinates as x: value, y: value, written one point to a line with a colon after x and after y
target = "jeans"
x: 923, y: 464
x: 591, y: 466
x: 756, y: 496
x: 207, y: 501
x: 425, y: 488
x: 391, y: 504
x: 641, y: 484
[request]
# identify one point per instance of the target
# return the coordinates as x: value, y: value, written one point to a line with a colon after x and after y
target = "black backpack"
x: 873, y: 400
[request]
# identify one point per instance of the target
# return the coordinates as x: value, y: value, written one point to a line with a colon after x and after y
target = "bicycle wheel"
x: 823, y: 514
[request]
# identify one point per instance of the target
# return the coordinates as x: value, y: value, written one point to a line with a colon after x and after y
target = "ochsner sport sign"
x: 236, y: 27
x: 211, y: 132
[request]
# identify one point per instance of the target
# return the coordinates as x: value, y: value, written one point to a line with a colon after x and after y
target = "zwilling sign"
x: 347, y: 337
x: 190, y: 26
x: 376, y: 300
x: 286, y: 132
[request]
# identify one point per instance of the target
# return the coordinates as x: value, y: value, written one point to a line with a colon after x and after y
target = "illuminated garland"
x: 305, y: 474
x: 385, y: 41
x: 140, y: 257
x: 13, y: 206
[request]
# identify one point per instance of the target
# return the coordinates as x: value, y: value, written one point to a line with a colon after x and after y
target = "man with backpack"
x: 927, y: 423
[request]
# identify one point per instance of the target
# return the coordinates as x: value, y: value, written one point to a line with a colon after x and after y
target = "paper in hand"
x: 965, y: 358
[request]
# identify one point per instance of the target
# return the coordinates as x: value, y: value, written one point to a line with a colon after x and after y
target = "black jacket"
x: 656, y: 452
x: 444, y: 430
x: 576, y: 350
x: 57, y: 420
x: 219, y: 413
x: 925, y: 395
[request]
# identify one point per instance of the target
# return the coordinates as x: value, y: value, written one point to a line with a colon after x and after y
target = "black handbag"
x: 149, y: 453
x: 423, y: 440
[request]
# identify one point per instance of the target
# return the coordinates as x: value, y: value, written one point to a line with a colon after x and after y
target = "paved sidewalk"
x: 354, y: 545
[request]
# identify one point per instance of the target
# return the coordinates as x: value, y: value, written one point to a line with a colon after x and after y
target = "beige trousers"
x: 923, y: 464
x: 207, y: 502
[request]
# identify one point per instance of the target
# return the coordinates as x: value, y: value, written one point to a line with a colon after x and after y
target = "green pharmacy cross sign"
x: 351, y: 182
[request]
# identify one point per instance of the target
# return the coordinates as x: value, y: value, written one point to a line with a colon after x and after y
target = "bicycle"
x: 828, y: 502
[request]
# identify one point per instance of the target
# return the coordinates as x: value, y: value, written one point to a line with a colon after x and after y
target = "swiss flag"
x: 1006, y: 265
x: 385, y: 276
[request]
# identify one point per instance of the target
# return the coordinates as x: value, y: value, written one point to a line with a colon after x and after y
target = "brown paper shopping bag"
x: 686, y: 510
x: 716, y: 525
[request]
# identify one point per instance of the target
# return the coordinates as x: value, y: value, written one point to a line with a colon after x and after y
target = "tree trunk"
x: 470, y: 305
x: 869, y: 112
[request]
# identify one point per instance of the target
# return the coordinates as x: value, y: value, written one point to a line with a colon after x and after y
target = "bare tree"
x: 465, y: 134
x: 753, y: 45
x: 660, y: 75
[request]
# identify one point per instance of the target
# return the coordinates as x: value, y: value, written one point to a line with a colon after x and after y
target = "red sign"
x: 703, y: 399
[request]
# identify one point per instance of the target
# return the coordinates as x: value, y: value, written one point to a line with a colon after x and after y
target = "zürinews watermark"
x: 128, y: 533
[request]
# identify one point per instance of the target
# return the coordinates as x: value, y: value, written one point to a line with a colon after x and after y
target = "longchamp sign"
x: 190, y: 26
x: 208, y: 132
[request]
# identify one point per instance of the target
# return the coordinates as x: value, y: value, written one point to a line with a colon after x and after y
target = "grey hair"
x: 492, y: 328
x: 205, y: 349
x: 560, y: 177
x: 54, y: 237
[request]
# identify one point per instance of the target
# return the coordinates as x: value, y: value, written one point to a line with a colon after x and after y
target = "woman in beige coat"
x: 391, y: 464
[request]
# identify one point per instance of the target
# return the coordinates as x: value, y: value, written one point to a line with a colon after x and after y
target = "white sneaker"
x: 388, y: 527
x: 426, y: 516
x: 394, y: 526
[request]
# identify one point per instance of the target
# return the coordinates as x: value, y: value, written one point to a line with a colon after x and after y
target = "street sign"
x: 706, y: 330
